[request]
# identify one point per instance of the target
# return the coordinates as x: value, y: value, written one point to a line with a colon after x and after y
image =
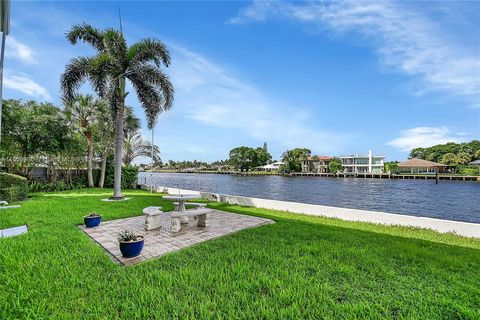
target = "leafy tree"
x: 82, y: 113
x: 391, y: 166
x: 32, y: 131
x: 335, y: 165
x: 243, y: 158
x: 463, y: 158
x: 417, y: 153
x: 263, y: 157
x: 293, y: 158
x: 436, y: 153
x: 114, y: 63
x: 450, y: 159
x: 136, y: 147
x: 477, y: 154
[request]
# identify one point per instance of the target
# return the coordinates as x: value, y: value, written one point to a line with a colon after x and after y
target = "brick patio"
x: 161, y: 241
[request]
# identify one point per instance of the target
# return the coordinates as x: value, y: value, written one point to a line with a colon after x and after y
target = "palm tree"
x: 135, y: 147
x: 106, y: 135
x: 82, y: 112
x: 107, y: 72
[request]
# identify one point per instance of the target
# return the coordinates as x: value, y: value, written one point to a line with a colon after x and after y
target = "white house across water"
x: 362, y: 163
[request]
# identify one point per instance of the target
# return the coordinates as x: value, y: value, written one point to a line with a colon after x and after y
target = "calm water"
x: 452, y: 200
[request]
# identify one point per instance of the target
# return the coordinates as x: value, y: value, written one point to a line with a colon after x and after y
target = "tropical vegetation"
x: 451, y: 152
x: 293, y: 159
x: 335, y: 165
x: 247, y: 158
x: 135, y: 146
x: 455, y: 155
x: 114, y: 63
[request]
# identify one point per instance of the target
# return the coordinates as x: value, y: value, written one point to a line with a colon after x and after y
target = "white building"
x: 362, y: 163
x: 272, y: 166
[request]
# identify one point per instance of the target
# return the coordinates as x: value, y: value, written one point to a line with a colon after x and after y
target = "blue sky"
x: 335, y: 77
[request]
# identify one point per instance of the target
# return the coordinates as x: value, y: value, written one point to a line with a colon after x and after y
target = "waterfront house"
x: 363, y: 163
x: 316, y: 164
x: 272, y: 166
x: 420, y: 166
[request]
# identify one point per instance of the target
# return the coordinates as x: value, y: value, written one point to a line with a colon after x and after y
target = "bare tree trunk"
x: 103, y: 168
x: 117, y: 182
x: 89, y: 159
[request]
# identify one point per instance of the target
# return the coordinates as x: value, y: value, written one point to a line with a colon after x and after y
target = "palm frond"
x: 116, y: 47
x: 135, y: 146
x: 99, y: 71
x: 75, y: 73
x: 88, y: 34
x: 154, y: 90
x: 149, y: 50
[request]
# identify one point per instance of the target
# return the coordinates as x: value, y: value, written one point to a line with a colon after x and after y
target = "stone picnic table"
x: 181, y: 199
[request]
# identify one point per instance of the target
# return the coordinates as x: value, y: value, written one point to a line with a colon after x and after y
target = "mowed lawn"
x: 299, y: 267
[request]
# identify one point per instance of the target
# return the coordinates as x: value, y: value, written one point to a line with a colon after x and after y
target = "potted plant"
x: 92, y: 220
x: 131, y: 244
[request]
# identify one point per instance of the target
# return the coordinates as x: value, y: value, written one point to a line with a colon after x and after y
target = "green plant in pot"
x: 131, y: 244
x: 92, y: 220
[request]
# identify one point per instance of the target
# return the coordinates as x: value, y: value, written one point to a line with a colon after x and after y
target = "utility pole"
x: 152, y: 148
x: 5, y: 29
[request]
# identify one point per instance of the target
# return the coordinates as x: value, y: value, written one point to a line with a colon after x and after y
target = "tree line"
x: 77, y: 135
x: 452, y: 154
x: 74, y: 127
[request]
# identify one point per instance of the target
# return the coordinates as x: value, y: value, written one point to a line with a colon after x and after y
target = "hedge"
x: 129, y: 177
x: 12, y: 187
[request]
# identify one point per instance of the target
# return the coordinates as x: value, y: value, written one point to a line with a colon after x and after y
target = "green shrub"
x: 12, y: 187
x: 35, y: 186
x: 471, y: 171
x: 129, y: 177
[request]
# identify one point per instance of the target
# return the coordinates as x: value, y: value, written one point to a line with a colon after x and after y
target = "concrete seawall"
x: 461, y: 228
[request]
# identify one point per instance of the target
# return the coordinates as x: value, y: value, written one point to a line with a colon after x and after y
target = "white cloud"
x: 17, y: 50
x: 213, y: 95
x: 21, y: 82
x: 425, y: 137
x: 407, y: 41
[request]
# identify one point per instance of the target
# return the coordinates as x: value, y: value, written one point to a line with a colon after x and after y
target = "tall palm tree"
x: 106, y: 135
x: 108, y: 71
x: 82, y: 112
x: 135, y: 147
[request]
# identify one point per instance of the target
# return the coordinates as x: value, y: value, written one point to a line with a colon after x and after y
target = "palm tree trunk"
x: 103, y: 169
x: 117, y: 182
x: 89, y: 159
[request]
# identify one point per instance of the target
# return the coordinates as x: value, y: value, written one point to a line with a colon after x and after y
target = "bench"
x: 153, y: 216
x: 4, y: 205
x: 176, y: 206
x: 200, y: 213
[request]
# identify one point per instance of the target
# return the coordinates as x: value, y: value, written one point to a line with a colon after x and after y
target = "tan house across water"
x: 420, y: 166
x: 316, y: 164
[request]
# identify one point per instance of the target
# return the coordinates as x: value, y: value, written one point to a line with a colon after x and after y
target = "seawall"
x: 466, y: 229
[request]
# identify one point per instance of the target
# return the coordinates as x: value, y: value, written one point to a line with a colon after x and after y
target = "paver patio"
x: 161, y: 241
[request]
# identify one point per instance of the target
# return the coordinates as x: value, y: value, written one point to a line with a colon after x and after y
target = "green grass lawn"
x: 299, y: 267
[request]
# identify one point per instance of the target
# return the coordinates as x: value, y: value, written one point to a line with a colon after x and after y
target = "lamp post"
x: 5, y: 29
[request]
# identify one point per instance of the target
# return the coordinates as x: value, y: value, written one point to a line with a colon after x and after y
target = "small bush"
x: 471, y: 171
x: 128, y: 236
x: 12, y: 187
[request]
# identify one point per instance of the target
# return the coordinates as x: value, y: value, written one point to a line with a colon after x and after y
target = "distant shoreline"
x: 452, y: 177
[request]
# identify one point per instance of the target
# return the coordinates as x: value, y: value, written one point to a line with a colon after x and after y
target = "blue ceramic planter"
x: 91, y: 222
x: 132, y: 248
